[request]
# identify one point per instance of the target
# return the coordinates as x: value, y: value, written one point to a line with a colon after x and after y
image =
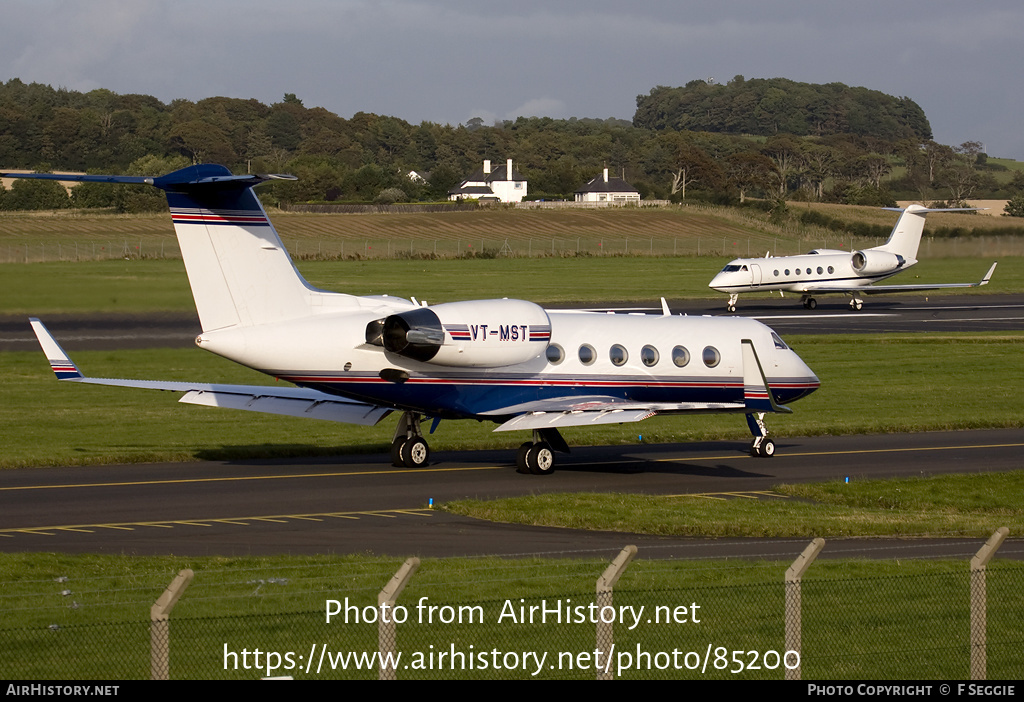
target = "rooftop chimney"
x: 605, y: 175
x: 487, y: 166
x: 509, y: 163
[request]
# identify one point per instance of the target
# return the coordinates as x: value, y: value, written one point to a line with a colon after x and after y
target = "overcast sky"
x: 448, y: 61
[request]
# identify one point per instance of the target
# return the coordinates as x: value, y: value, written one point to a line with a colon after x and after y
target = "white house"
x: 502, y: 184
x: 605, y: 189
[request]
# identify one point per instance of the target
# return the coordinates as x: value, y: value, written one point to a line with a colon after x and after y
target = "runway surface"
x: 363, y: 505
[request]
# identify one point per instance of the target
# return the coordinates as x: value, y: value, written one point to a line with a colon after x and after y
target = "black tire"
x: 541, y: 459
x: 415, y: 453
x: 811, y: 304
x: 396, y: 452
x: 521, y: 465
x: 767, y: 449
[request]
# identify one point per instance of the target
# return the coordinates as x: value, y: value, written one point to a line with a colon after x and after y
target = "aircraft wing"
x: 592, y: 410
x: 876, y: 289
x: 291, y: 401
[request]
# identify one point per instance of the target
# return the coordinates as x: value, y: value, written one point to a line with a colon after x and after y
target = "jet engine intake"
x: 478, y: 333
x: 872, y: 262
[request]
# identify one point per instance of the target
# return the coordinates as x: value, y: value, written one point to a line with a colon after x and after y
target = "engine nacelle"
x: 872, y: 262
x: 478, y: 333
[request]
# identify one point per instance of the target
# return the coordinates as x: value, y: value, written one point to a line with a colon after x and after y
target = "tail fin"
x: 240, y: 272
x: 906, y: 235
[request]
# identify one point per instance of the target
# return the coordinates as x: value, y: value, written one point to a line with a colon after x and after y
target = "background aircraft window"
x: 776, y: 274
x: 587, y: 354
x: 618, y: 354
x: 649, y: 355
x: 787, y: 271
x: 711, y: 356
x: 680, y: 356
x: 555, y: 354
x: 831, y: 269
x: 820, y: 271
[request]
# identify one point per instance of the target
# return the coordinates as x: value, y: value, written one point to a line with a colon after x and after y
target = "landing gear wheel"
x: 810, y: 303
x: 765, y: 449
x: 396, y: 452
x: 730, y: 308
x: 540, y: 459
x: 415, y: 452
x: 521, y: 465
x: 856, y: 304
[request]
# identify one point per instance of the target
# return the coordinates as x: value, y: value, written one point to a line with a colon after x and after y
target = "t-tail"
x: 905, y: 238
x: 240, y: 273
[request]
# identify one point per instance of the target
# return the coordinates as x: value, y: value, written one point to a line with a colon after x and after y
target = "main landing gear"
x: 856, y: 303
x: 409, y: 449
x: 538, y: 456
x: 809, y: 302
x: 761, y: 446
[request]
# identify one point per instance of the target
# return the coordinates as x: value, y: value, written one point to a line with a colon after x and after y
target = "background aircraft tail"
x: 906, y: 235
x: 239, y: 270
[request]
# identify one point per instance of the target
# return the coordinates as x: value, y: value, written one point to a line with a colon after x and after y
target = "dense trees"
x: 821, y: 142
x: 779, y: 106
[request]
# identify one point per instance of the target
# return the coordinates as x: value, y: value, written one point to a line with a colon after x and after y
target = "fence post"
x: 386, y: 624
x: 794, y: 575
x: 159, y: 625
x: 979, y: 618
x: 605, y: 630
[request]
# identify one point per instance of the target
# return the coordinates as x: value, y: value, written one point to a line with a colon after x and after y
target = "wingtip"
x: 61, y: 365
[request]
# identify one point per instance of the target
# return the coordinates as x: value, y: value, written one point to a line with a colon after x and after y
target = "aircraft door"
x: 755, y: 275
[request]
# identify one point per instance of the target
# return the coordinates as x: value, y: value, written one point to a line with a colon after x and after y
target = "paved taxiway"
x: 362, y: 505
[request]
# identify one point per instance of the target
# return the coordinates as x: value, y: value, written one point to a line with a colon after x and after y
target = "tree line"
x: 370, y: 157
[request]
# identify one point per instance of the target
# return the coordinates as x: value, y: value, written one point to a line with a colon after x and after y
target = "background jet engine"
x: 478, y: 333
x: 871, y: 262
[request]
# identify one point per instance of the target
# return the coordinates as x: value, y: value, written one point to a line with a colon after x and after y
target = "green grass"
x: 134, y: 286
x: 902, y: 619
x: 960, y: 505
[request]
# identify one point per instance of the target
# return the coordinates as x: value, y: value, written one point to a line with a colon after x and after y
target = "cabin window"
x: 680, y: 356
x: 587, y: 354
x: 831, y: 270
x: 711, y: 356
x: 649, y: 356
x: 820, y: 270
x: 618, y: 354
x: 776, y: 273
x: 554, y: 354
x: 787, y: 271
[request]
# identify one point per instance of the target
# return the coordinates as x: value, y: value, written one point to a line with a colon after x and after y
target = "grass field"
x: 134, y: 286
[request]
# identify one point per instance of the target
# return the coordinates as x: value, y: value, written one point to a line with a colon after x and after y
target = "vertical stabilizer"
x: 906, y: 235
x: 240, y: 272
x: 237, y: 266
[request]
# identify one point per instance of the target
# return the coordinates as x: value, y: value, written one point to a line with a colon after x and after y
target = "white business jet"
x: 833, y: 271
x: 357, y: 359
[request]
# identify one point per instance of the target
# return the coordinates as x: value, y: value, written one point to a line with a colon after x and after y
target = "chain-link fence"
x: 913, y: 620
